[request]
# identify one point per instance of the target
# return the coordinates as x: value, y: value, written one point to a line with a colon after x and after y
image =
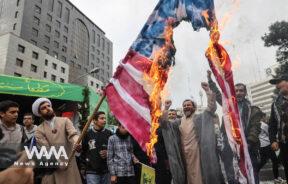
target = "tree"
x: 278, y: 36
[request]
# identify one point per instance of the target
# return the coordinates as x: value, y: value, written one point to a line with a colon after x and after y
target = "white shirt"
x: 264, y: 135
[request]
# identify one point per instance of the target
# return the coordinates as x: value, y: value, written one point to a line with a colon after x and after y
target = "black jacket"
x: 278, y: 120
x: 250, y: 122
x: 93, y: 142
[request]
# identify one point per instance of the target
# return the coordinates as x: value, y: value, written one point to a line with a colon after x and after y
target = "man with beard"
x: 194, y: 141
x: 56, y: 131
x: 278, y: 123
x: 252, y: 128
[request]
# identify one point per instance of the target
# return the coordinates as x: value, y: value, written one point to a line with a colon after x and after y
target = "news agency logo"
x: 52, y: 151
x: 45, y: 157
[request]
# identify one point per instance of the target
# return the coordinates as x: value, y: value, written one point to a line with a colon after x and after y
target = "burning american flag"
x: 135, y: 90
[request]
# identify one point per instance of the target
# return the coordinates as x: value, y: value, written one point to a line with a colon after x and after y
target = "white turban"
x: 36, y: 104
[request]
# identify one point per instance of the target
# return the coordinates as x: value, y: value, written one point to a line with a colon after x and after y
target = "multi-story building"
x: 21, y: 58
x: 261, y: 93
x: 63, y: 32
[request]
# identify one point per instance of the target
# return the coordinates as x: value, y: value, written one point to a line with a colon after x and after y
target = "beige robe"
x: 66, y: 135
x: 191, y: 150
x: 190, y: 142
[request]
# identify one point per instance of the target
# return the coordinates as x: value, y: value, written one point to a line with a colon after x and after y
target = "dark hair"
x: 243, y: 85
x: 29, y: 114
x: 97, y: 114
x: 189, y: 100
x: 5, y: 105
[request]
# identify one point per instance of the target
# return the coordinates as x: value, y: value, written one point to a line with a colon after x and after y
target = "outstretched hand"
x: 205, y: 86
x: 209, y: 74
x: 167, y: 104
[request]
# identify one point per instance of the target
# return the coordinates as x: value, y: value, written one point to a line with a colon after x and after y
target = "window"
x: 33, y: 42
x: 59, y: 9
x: 14, y: 26
x: 48, y: 28
x: 93, y: 48
x: 108, y: 59
x: 16, y: 14
x: 102, y: 56
x: 18, y: 2
x: 50, y: 5
x: 17, y: 74
x: 79, y: 66
x: 92, y: 56
x: 46, y: 49
x: 62, y: 69
x: 103, y: 44
x: 62, y: 80
x: 108, y: 47
x: 34, y: 32
x: 98, y: 40
x: 57, y: 34
x: 55, y: 54
x: 49, y: 17
x: 19, y: 62
x: 58, y: 24
x: 46, y: 62
x: 45, y: 74
x: 47, y: 39
x: 91, y: 83
x: 54, y: 66
x: 65, y: 39
x: 102, y: 63
x: 93, y: 36
x: 33, y: 68
x: 53, y: 77
x: 63, y: 58
x: 92, y: 65
x: 97, y: 85
x: 67, y: 15
x: 36, y: 20
x: 108, y: 67
x: 37, y: 9
x: 21, y: 48
x: 35, y: 55
x: 64, y: 48
x: 56, y: 44
x: 98, y: 60
x: 98, y: 52
x: 65, y: 29
x: 72, y: 63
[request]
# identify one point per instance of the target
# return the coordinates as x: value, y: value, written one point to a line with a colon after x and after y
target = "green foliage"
x: 278, y: 36
x: 111, y: 120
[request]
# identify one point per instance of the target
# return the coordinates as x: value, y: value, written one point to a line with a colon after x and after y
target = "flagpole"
x: 84, y: 131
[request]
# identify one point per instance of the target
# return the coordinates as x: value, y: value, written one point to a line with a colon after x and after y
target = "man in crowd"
x: 121, y: 159
x: 278, y: 123
x: 28, y: 121
x: 251, y: 128
x: 94, y: 151
x: 266, y: 151
x: 56, y: 131
x: 12, y: 134
x: 198, y: 141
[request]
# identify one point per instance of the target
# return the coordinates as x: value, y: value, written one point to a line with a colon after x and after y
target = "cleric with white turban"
x: 37, y: 103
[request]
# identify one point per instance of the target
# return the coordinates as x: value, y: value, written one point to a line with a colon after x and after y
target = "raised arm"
x: 214, y: 88
x: 211, y: 101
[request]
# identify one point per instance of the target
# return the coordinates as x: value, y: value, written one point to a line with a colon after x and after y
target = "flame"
x: 157, y: 76
x: 217, y: 54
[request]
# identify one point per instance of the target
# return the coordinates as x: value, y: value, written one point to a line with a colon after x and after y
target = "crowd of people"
x: 192, y: 148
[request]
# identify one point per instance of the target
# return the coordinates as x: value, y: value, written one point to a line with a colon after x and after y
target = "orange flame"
x: 157, y: 76
x: 219, y: 56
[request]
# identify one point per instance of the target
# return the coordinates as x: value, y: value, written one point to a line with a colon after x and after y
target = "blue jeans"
x: 97, y: 179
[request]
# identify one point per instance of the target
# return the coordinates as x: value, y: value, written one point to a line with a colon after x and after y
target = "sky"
x: 249, y: 20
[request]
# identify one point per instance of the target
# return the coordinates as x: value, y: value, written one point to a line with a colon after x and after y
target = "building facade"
x: 63, y: 32
x: 21, y: 58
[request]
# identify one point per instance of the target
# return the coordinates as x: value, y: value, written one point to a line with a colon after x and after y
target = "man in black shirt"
x: 94, y: 151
